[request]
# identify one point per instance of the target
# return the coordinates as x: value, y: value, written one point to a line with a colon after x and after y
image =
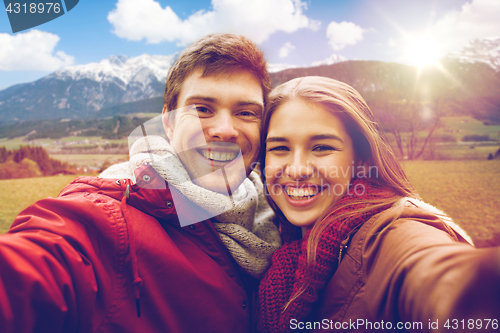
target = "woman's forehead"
x: 298, y: 118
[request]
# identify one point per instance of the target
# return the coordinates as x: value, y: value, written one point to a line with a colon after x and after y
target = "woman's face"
x: 310, y: 161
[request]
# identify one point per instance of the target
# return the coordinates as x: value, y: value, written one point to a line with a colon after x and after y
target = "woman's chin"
x: 304, y: 222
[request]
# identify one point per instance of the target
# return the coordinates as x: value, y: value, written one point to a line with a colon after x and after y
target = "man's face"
x: 229, y: 109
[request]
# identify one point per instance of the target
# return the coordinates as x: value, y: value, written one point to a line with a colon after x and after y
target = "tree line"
x: 28, y: 161
x: 117, y: 127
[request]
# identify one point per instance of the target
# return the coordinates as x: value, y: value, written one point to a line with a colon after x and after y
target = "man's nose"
x: 222, y: 127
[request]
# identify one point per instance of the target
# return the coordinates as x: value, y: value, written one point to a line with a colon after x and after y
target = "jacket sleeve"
x: 49, y: 267
x: 417, y: 272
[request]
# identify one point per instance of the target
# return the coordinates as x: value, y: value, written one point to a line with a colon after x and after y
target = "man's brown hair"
x: 216, y: 54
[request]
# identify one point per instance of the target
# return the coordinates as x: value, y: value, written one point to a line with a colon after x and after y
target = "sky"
x: 290, y: 32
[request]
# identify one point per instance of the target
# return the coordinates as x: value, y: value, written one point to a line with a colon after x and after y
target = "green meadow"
x: 467, y: 190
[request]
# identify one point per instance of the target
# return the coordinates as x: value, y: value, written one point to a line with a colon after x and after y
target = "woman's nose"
x: 299, y: 168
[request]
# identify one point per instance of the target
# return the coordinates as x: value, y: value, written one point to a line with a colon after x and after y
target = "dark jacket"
x: 92, y: 261
x: 407, y: 268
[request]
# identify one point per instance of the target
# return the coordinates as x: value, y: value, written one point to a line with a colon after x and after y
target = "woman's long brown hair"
x: 370, y: 145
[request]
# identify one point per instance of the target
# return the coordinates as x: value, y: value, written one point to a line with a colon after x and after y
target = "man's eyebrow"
x: 245, y: 103
x: 201, y: 97
x: 327, y: 136
x: 214, y: 100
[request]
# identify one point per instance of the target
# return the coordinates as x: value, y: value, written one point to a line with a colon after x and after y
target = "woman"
x: 361, y: 252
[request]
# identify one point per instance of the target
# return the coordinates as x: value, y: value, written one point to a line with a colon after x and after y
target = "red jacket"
x: 77, y: 263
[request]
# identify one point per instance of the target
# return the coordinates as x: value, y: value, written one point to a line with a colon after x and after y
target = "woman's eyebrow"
x: 327, y: 136
x: 313, y: 138
x: 276, y: 139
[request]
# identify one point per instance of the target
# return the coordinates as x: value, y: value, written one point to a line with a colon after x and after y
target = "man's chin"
x: 221, y: 182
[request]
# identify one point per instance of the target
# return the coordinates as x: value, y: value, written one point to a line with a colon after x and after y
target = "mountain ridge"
x: 121, y: 84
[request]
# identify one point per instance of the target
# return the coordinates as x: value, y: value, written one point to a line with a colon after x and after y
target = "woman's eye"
x: 278, y: 148
x: 323, y: 148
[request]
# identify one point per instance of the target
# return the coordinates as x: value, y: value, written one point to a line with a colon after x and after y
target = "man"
x: 125, y: 254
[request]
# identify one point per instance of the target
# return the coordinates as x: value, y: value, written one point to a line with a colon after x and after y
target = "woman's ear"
x: 361, y: 168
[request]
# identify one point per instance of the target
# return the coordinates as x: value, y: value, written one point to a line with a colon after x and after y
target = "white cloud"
x: 256, y: 19
x: 33, y: 50
x: 476, y: 19
x: 285, y: 49
x: 342, y: 34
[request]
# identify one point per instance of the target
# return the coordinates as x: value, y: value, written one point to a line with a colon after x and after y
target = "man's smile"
x: 220, y: 151
x: 218, y: 156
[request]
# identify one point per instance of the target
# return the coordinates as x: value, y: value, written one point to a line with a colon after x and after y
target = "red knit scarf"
x: 289, y: 264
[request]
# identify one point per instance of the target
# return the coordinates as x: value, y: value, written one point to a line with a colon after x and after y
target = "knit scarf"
x: 289, y: 269
x: 244, y: 224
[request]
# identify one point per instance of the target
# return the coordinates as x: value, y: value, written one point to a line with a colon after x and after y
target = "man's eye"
x: 247, y: 113
x: 202, y: 109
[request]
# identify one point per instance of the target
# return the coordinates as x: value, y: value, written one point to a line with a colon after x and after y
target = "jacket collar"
x: 152, y: 195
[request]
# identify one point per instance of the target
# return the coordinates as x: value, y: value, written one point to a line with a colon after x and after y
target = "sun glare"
x: 423, y: 52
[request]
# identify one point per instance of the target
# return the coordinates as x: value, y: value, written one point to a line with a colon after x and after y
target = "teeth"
x: 219, y: 157
x: 301, y: 193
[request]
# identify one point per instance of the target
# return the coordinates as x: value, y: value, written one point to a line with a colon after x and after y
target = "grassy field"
x: 469, y: 151
x: 89, y: 160
x: 20, y: 193
x: 469, y: 191
x: 56, y: 145
x: 459, y: 127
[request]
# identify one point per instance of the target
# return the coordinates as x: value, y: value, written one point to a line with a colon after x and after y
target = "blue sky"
x: 292, y: 32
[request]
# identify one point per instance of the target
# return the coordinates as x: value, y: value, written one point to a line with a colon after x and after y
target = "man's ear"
x: 168, y: 123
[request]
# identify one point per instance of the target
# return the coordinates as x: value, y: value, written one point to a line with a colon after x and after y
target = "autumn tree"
x: 411, y: 108
x: 19, y: 162
x: 24, y: 169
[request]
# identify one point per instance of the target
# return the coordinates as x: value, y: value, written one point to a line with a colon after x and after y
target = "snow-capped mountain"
x: 485, y: 50
x: 83, y: 90
x: 122, y: 70
x: 273, y: 68
x: 333, y: 59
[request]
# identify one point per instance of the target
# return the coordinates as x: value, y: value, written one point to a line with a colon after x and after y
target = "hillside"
x: 473, y: 88
x: 116, y: 127
x: 466, y: 84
